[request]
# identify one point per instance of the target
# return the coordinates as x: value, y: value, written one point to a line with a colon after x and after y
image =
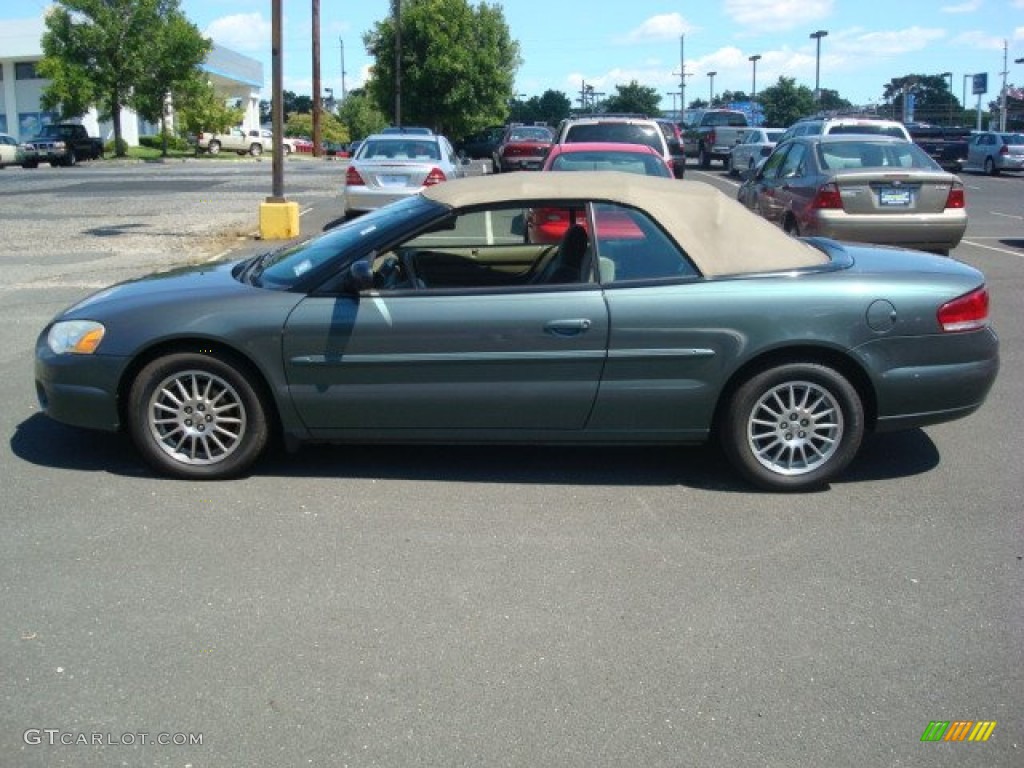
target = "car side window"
x: 793, y: 165
x: 631, y: 247
x: 772, y: 165
x: 495, y: 248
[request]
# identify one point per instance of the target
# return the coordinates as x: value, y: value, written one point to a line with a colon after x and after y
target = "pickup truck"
x: 947, y: 146
x: 234, y: 140
x: 713, y: 134
x: 61, y: 144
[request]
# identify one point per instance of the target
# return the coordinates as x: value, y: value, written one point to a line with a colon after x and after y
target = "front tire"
x: 196, y: 417
x: 793, y: 427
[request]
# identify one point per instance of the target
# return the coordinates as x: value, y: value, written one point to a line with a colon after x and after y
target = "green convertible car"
x: 662, y: 312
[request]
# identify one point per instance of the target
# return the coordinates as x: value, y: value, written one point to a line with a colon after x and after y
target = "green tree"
x: 633, y: 98
x: 331, y: 128
x: 551, y: 107
x: 458, y: 65
x: 360, y: 114
x: 933, y: 101
x: 95, y: 53
x: 172, y: 68
x: 785, y: 102
x: 831, y: 100
x: 198, y: 108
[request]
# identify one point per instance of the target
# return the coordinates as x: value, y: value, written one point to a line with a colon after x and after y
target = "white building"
x: 238, y: 78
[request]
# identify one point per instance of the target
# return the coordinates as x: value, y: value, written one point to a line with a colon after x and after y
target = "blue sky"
x: 566, y: 43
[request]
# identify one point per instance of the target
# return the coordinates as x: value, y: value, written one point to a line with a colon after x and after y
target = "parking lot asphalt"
x: 402, y: 606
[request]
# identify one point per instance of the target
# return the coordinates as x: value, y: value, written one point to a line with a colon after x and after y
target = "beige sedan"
x: 868, y: 189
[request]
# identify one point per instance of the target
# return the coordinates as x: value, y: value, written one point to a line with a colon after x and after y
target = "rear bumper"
x: 926, y: 231
x: 365, y: 199
x: 921, y: 381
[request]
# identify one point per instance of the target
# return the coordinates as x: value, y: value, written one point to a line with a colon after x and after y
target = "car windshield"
x: 873, y: 154
x: 399, y: 149
x: 628, y: 162
x: 285, y: 268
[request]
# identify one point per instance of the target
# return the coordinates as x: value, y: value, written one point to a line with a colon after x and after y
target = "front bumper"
x: 79, y: 390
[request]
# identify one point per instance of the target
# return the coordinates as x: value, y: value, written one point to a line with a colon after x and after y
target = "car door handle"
x: 573, y: 327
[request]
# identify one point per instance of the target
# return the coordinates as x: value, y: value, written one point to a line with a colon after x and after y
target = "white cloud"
x: 889, y: 43
x: 968, y: 7
x: 980, y: 40
x: 668, y: 26
x: 774, y: 15
x: 243, y: 32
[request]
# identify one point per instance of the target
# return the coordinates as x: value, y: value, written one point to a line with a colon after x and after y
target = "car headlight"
x: 75, y: 337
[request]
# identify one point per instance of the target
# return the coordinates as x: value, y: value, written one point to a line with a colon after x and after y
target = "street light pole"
x: 711, y: 89
x: 950, y: 76
x: 753, y: 82
x: 817, y: 62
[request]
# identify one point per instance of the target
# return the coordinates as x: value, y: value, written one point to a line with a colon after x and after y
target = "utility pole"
x: 1002, y: 92
x: 396, y: 6
x: 317, y: 103
x: 344, y: 89
x: 682, y: 78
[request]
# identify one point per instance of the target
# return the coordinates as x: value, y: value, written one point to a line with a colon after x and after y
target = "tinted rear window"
x: 875, y: 129
x: 621, y: 133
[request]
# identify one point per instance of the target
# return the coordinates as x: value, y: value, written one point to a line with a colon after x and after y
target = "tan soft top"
x: 718, y: 233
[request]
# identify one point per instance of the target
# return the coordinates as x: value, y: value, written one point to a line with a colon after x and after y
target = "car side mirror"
x: 360, y: 276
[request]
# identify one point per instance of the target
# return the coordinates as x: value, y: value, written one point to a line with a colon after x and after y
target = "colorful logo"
x: 958, y: 730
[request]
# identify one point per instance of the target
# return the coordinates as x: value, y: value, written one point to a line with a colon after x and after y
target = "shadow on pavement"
x: 43, y: 442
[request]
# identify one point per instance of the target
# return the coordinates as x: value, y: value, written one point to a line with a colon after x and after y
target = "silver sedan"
x: 392, y: 166
x: 755, y: 145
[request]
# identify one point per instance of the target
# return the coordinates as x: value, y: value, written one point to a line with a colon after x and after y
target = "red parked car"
x: 523, y: 148
x: 548, y: 225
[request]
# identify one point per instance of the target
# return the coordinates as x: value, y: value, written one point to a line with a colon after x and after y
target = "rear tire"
x: 213, y: 147
x: 990, y: 167
x: 196, y: 417
x: 793, y: 427
x: 256, y: 150
x: 705, y: 158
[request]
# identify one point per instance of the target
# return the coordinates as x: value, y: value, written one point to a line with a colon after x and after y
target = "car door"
x: 772, y: 198
x: 976, y: 149
x: 438, y: 355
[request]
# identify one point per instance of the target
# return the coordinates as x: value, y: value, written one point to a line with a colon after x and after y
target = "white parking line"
x: 1018, y: 254
x: 1007, y: 215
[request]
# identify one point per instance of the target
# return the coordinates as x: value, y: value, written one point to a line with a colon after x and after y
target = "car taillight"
x: 828, y: 196
x: 353, y: 179
x: 955, y: 198
x: 436, y: 176
x: 1004, y: 150
x: 966, y: 313
x: 711, y: 137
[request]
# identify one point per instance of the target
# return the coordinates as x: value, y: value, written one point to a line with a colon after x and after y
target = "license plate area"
x: 895, y: 197
x: 392, y: 180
